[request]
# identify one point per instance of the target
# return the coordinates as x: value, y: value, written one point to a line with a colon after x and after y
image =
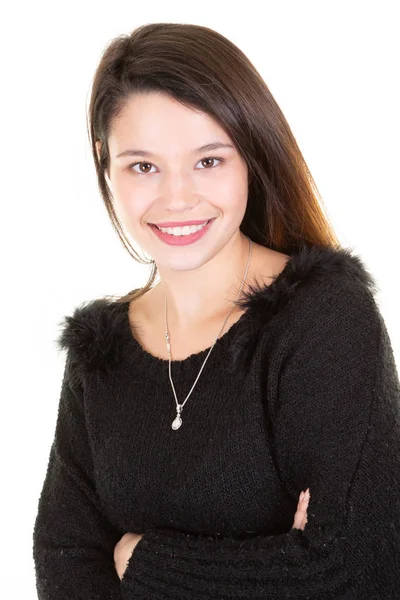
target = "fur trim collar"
x: 96, y: 333
x: 307, y: 264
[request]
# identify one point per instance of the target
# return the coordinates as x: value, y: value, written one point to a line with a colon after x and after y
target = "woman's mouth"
x: 181, y: 236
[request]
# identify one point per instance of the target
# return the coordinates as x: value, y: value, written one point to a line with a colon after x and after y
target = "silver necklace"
x: 177, y: 422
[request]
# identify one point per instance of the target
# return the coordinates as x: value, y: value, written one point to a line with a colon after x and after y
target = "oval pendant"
x: 176, y: 423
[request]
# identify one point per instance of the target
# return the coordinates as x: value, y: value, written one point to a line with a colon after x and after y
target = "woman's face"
x: 159, y: 174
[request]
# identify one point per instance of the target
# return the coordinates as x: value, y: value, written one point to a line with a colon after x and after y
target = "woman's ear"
x: 99, y: 146
x: 98, y: 149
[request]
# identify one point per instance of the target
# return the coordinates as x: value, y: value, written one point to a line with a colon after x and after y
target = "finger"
x: 300, y: 518
x: 304, y: 498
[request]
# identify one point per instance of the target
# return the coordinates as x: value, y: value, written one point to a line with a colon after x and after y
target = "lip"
x: 181, y: 240
x: 179, y: 223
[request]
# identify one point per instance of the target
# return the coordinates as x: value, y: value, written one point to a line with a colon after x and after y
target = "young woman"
x: 232, y: 430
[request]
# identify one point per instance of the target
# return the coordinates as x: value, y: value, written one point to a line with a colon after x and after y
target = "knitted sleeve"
x: 73, y: 543
x: 334, y: 409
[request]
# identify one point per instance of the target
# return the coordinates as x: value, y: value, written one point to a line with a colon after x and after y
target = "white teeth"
x: 186, y: 230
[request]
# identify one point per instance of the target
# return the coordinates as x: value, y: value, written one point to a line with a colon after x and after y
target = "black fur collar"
x: 96, y: 333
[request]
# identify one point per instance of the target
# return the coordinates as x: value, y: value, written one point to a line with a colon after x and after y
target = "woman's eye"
x: 140, y: 163
x: 204, y: 160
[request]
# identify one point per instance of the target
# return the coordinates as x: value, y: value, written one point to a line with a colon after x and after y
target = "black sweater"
x: 302, y: 391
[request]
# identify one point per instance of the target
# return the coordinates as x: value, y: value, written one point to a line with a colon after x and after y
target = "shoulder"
x: 312, y: 272
x: 333, y: 283
x: 92, y: 334
x: 318, y: 287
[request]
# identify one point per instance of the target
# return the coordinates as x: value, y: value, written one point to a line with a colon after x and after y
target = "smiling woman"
x: 262, y: 329
x: 183, y: 128
x: 183, y: 186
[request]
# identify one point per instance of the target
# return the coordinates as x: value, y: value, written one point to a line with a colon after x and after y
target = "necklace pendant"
x: 177, y: 422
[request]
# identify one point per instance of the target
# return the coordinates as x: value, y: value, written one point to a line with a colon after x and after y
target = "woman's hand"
x: 124, y: 550
x: 300, y: 518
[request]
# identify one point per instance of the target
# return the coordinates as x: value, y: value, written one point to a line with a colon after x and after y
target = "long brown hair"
x: 202, y: 69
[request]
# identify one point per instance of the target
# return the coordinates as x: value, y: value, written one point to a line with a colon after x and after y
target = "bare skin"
x: 188, y: 169
x: 146, y: 314
x: 127, y: 544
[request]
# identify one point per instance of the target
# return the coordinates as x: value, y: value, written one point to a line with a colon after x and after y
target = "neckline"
x: 222, y: 341
x: 246, y: 301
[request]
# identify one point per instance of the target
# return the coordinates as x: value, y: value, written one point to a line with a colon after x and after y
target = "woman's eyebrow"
x: 205, y: 148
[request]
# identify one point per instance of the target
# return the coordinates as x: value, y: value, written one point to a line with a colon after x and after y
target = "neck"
x: 201, y: 295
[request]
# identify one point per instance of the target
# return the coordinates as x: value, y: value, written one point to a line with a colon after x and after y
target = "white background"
x: 333, y: 68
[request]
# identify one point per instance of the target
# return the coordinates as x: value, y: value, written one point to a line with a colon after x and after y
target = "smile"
x: 179, y: 236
